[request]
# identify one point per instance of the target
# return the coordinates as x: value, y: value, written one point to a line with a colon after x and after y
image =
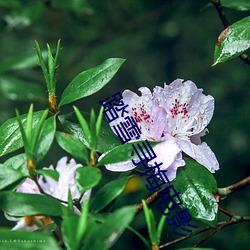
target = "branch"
x: 226, y: 23
x: 224, y: 192
x: 152, y: 198
x: 235, y: 220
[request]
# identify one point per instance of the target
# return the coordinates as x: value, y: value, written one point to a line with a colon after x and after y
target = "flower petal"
x: 29, y: 187
x: 65, y: 182
x: 150, y: 117
x: 201, y: 153
x: 169, y: 153
x: 189, y: 110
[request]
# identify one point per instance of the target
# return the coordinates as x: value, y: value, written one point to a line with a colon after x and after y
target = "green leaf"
x: 8, y: 176
x: 107, y: 138
x: 69, y: 230
x: 92, y: 127
x: 150, y: 219
x: 121, y: 153
x: 196, y: 186
x: 233, y: 41
x: 18, y: 162
x: 241, y: 5
x: 19, y: 90
x: 70, y: 201
x: 74, y: 228
x: 73, y: 146
x: 84, y: 125
x: 90, y: 81
x: 16, y: 240
x: 87, y: 177
x: 43, y: 65
x: 53, y: 174
x: 46, y: 138
x: 161, y: 224
x: 20, y: 204
x: 108, y: 193
x: 10, y: 136
x: 104, y: 236
x: 99, y: 123
x: 82, y: 223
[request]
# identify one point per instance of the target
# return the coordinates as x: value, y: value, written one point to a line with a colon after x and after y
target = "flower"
x: 58, y: 189
x: 177, y: 116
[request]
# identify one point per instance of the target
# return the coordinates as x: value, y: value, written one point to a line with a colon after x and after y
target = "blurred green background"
x: 161, y: 41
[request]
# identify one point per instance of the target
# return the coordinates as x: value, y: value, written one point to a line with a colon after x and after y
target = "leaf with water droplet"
x: 197, y: 186
x: 233, y: 41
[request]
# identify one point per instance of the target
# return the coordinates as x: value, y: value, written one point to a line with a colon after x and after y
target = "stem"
x: 224, y: 211
x: 226, y: 23
x: 224, y: 192
x: 152, y: 198
x: 42, y: 192
x: 234, y: 220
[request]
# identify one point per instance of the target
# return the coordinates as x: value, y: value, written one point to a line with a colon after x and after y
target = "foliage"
x: 98, y: 217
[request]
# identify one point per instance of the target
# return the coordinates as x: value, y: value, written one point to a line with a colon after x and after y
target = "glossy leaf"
x: 87, y: 177
x: 233, y: 41
x: 20, y: 204
x: 241, y: 5
x: 46, y: 137
x: 107, y: 138
x: 108, y: 193
x: 18, y: 162
x: 19, y: 90
x: 196, y: 186
x: 8, y: 176
x: 121, y: 153
x: 16, y: 240
x: 73, y: 146
x: 151, y: 223
x: 90, y: 81
x: 161, y: 224
x: 84, y: 125
x: 10, y: 136
x: 104, y: 236
x: 53, y: 174
x: 92, y: 127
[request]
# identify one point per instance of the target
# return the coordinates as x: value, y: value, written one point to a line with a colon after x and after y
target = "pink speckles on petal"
x: 179, y: 109
x: 177, y: 115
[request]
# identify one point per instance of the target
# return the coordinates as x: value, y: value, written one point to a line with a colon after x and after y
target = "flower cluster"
x: 58, y: 189
x: 176, y: 116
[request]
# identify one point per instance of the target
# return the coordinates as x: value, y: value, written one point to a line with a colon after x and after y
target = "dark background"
x: 161, y: 41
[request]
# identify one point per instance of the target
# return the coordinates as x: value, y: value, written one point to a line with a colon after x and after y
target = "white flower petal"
x: 59, y: 189
x: 201, y: 153
x: 29, y: 187
x: 169, y: 153
x: 189, y: 110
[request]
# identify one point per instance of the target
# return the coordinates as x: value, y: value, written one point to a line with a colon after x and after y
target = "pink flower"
x: 58, y: 189
x: 176, y: 115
